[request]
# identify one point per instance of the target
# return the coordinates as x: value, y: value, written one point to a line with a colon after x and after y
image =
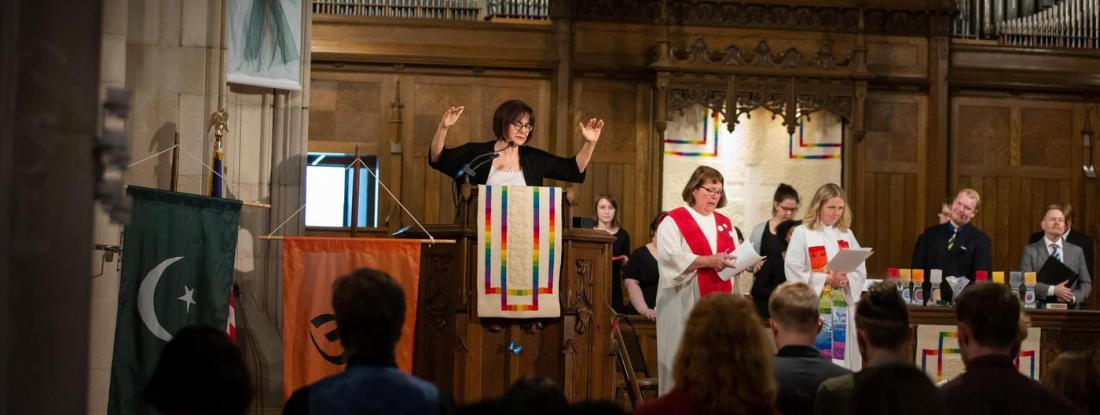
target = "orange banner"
x: 311, y: 343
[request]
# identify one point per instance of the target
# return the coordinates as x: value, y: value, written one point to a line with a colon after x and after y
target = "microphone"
x: 470, y: 169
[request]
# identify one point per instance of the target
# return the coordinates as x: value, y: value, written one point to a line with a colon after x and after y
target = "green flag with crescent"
x: 177, y: 270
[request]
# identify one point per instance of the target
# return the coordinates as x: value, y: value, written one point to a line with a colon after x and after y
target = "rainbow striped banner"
x: 938, y: 353
x: 803, y: 145
x: 713, y: 124
x: 519, y: 256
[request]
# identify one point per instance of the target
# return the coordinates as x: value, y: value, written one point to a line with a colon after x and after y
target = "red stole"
x: 693, y: 235
x: 818, y: 257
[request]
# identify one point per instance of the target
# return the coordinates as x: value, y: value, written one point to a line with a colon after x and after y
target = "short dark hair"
x: 992, y: 312
x: 784, y: 192
x: 370, y: 311
x: 883, y: 317
x: 509, y: 112
x: 200, y: 371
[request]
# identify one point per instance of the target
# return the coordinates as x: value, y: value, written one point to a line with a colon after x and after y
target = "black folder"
x: 1054, y: 272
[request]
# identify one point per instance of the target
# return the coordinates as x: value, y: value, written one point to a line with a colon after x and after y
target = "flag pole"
x: 423, y: 241
x: 355, y: 195
x: 175, y: 161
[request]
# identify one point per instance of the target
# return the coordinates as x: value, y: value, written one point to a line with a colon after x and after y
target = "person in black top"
x: 508, y: 160
x: 607, y: 219
x: 772, y: 245
x: 641, y: 275
x: 957, y: 247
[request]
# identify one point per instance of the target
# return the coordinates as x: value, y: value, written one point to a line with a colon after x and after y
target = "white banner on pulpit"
x: 938, y: 353
x: 519, y: 251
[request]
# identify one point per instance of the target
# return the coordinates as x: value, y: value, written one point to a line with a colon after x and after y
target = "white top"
x: 509, y: 178
x: 678, y: 289
x: 798, y: 269
x: 1050, y: 251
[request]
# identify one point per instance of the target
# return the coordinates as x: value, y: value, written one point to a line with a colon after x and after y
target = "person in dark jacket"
x: 956, y: 247
x: 508, y: 160
x: 798, y: 367
x: 989, y: 336
x: 370, y: 311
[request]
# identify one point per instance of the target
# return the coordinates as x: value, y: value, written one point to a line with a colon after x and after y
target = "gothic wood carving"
x: 582, y: 296
x: 439, y: 309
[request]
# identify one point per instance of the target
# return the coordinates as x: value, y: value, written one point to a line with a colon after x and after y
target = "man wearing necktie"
x: 956, y: 246
x: 1053, y: 245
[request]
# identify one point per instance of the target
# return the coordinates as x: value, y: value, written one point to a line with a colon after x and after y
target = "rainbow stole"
x: 519, y: 251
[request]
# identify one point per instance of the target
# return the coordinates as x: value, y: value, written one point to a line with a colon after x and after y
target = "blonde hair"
x: 724, y: 359
x: 824, y: 193
x: 971, y: 193
x: 794, y: 306
x: 700, y: 177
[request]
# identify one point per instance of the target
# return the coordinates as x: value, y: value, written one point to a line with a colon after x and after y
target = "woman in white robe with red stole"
x: 692, y: 246
x: 823, y: 233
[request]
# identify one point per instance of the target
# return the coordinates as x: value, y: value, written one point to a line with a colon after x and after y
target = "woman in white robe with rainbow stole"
x: 692, y: 246
x: 823, y: 233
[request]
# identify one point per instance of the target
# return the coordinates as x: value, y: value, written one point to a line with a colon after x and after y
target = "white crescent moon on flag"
x: 145, y: 299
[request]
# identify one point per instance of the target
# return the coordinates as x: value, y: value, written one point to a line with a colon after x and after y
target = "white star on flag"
x: 188, y: 297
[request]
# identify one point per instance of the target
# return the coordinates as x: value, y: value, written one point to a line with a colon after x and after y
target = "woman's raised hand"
x: 450, y: 117
x: 591, y: 130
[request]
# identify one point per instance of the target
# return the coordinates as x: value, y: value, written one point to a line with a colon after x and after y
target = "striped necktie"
x: 951, y: 239
x: 1054, y: 252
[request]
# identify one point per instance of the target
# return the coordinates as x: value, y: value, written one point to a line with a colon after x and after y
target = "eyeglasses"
x: 788, y: 209
x: 713, y: 192
x: 522, y: 126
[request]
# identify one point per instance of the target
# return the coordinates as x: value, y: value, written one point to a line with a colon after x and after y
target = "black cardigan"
x: 536, y: 164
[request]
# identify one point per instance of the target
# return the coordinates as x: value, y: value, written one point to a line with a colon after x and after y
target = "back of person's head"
x: 370, y: 311
x: 724, y: 359
x: 882, y: 317
x: 895, y: 389
x: 1076, y: 375
x: 793, y: 307
x: 784, y: 229
x: 538, y: 395
x: 991, y: 312
x: 595, y: 408
x: 200, y: 371
x: 656, y: 222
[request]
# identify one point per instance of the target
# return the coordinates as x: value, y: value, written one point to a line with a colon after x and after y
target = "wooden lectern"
x: 470, y: 356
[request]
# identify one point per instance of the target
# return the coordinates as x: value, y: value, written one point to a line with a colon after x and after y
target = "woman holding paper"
x: 693, y: 246
x: 823, y: 233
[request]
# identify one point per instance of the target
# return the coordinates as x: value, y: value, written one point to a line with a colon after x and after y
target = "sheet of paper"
x: 847, y: 260
x: 746, y: 257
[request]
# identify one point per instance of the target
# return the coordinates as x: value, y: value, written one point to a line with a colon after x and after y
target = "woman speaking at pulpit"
x: 508, y: 160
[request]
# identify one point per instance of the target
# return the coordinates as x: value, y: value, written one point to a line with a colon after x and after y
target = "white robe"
x: 798, y: 269
x: 678, y: 289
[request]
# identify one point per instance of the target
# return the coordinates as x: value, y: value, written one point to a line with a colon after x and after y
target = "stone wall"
x: 167, y: 54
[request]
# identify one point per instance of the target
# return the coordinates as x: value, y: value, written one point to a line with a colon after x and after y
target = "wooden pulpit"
x: 477, y: 358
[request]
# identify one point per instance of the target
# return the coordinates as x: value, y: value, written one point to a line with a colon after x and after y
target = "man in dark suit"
x: 956, y: 247
x: 1053, y: 245
x: 798, y: 367
x: 1074, y: 237
x: 989, y: 333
